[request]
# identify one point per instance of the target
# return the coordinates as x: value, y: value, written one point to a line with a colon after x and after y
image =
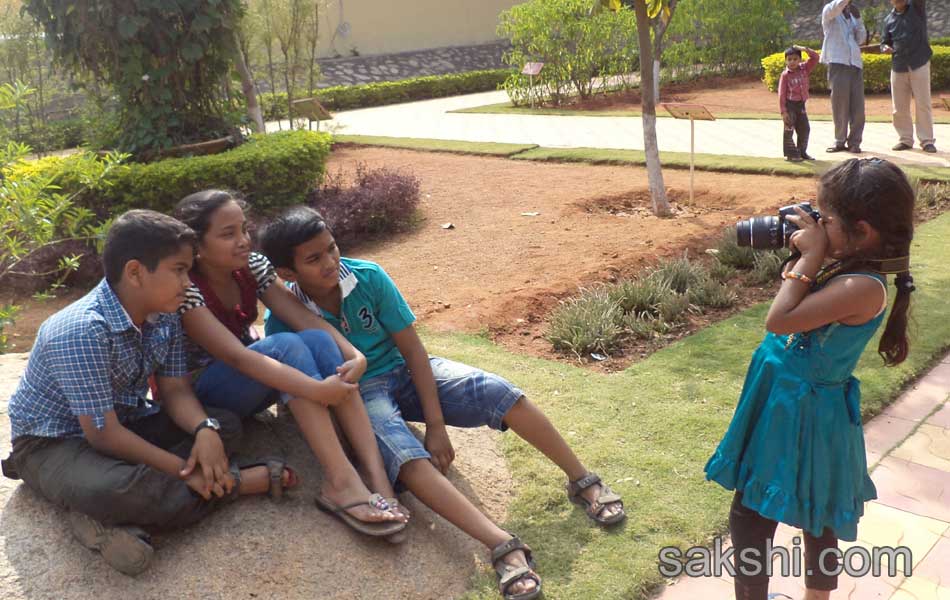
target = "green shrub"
x: 679, y: 274
x: 575, y: 46
x: 721, y: 272
x: 346, y: 97
x: 709, y: 293
x: 272, y: 171
x: 730, y: 253
x: 877, y: 71
x: 639, y: 296
x: 586, y: 323
x: 767, y: 267
x: 672, y: 309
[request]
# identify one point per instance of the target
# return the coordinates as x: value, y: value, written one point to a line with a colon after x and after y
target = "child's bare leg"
x: 435, y: 491
x: 354, y: 420
x: 817, y: 595
x: 533, y: 426
x: 342, y: 484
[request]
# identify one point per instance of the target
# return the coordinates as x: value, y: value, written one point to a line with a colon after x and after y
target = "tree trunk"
x: 656, y: 79
x: 661, y: 207
x: 247, y: 86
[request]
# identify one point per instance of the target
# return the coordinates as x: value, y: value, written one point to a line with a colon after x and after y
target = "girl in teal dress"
x: 794, y: 452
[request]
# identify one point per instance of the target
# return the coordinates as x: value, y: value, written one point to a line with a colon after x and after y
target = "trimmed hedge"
x: 345, y: 97
x: 273, y: 171
x: 877, y: 71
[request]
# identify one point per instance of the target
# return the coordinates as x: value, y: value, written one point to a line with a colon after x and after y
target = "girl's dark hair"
x: 790, y: 51
x: 293, y: 227
x: 195, y: 210
x: 878, y: 192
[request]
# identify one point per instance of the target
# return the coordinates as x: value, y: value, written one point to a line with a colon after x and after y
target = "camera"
x: 771, y: 233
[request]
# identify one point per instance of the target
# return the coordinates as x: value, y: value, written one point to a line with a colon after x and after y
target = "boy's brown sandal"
x: 595, y: 509
x: 125, y: 549
x: 508, y: 574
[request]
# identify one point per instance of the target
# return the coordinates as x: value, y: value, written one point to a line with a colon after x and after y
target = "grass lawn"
x: 649, y: 431
x: 506, y: 108
x: 490, y: 148
x: 607, y: 156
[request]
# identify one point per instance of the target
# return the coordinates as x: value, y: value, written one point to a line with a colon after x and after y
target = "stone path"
x: 390, y: 67
x: 433, y: 119
x: 909, y: 448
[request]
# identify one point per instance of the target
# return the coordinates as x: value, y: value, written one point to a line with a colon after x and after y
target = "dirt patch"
x: 499, y: 268
x: 737, y: 95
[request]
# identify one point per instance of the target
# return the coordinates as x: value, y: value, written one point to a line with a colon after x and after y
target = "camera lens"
x: 760, y: 233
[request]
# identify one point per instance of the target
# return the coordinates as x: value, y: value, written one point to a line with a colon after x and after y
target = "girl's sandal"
x: 595, y: 509
x: 275, y: 469
x: 508, y: 574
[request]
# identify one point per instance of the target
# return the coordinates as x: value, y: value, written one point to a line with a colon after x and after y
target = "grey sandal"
x: 508, y: 575
x: 595, y: 509
x: 275, y: 469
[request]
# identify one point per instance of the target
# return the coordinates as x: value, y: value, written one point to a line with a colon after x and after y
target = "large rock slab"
x: 254, y: 548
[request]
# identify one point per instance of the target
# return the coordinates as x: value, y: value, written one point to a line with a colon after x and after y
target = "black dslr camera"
x: 771, y: 233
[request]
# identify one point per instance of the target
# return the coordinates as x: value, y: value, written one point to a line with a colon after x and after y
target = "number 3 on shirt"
x: 366, y: 317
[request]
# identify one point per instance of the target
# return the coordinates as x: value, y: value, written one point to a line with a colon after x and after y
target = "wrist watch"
x: 209, y: 423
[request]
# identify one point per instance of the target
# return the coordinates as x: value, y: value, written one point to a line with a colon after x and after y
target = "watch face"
x: 213, y: 423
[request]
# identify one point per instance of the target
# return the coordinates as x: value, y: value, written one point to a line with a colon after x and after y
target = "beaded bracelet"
x: 799, y: 276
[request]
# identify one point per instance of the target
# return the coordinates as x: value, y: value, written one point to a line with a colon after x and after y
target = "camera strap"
x: 890, y: 266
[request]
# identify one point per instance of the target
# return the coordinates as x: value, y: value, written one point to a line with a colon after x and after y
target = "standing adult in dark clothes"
x: 841, y: 50
x: 905, y: 38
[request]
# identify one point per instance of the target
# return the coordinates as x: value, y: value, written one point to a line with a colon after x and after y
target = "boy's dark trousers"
x: 798, y: 125
x: 73, y: 475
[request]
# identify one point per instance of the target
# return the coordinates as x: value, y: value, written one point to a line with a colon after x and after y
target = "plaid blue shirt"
x: 90, y: 359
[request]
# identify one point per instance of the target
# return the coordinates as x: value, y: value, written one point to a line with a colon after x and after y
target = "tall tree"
x: 646, y: 11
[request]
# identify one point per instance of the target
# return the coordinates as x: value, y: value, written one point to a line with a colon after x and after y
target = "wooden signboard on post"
x: 310, y: 109
x: 531, y: 69
x: 693, y: 112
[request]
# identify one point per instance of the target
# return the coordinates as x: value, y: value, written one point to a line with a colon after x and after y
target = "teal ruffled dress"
x: 795, y: 447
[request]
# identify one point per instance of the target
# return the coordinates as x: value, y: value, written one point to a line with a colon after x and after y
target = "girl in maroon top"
x: 312, y: 372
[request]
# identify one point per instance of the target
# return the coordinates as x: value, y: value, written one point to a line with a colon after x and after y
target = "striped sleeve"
x: 193, y: 299
x: 262, y: 270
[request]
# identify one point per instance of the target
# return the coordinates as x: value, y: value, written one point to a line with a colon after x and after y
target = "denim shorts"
x: 469, y: 397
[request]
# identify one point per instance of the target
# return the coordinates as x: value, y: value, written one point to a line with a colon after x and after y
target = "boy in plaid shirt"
x: 792, y: 95
x: 85, y: 437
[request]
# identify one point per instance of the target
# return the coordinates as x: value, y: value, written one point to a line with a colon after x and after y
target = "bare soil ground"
x: 500, y: 270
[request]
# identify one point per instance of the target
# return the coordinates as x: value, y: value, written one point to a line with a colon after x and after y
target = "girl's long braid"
x: 877, y: 192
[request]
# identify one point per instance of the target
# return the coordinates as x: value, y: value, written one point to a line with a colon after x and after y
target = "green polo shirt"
x: 372, y: 310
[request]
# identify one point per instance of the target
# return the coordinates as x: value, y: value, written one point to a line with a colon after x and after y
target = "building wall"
x: 383, y: 27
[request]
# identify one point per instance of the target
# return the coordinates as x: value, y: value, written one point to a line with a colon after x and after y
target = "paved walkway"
x: 909, y: 448
x: 433, y: 119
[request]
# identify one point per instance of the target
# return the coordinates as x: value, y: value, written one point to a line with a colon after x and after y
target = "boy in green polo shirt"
x: 403, y: 383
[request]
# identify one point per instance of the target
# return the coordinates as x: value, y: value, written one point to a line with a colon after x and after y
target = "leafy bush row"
x: 877, y: 71
x: 601, y: 318
x: 345, y: 97
x: 273, y: 171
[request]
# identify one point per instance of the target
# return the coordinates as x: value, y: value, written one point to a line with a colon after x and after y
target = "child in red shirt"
x: 792, y: 94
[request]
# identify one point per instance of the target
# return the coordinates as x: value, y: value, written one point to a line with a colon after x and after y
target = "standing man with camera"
x: 905, y: 38
x: 844, y: 32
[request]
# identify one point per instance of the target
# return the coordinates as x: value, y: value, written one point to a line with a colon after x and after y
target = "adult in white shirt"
x: 844, y: 32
